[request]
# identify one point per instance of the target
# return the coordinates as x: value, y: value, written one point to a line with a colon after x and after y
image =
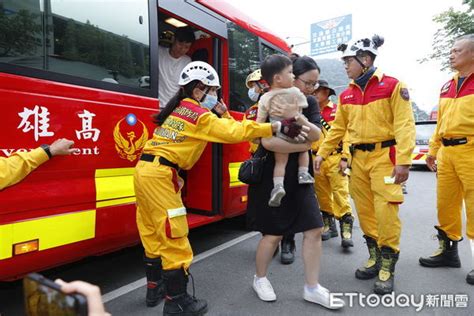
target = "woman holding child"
x: 298, y: 209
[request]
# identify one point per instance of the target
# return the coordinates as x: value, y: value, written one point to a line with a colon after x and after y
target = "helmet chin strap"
x: 205, y: 93
x: 364, y: 67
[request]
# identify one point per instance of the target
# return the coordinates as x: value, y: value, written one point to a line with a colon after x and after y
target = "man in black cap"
x: 332, y: 185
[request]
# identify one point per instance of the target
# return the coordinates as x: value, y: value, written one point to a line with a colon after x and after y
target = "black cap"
x: 325, y: 84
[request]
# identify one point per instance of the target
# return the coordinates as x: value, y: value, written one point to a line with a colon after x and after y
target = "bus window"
x: 243, y: 59
x: 267, y: 51
x: 21, y: 29
x: 110, y: 43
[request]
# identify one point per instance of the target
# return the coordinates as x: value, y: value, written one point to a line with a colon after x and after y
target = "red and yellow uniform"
x: 251, y: 114
x: 331, y: 187
x: 380, y: 113
x: 13, y: 169
x: 161, y: 215
x: 455, y: 162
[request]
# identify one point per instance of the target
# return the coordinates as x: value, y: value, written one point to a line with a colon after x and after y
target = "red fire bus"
x: 87, y: 71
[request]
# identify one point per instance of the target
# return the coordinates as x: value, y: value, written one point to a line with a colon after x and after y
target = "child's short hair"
x: 272, y: 65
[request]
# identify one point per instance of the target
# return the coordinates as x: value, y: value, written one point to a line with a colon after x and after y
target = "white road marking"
x: 142, y: 282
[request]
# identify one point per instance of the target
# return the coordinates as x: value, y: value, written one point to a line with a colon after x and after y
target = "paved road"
x: 115, y: 270
x: 224, y: 276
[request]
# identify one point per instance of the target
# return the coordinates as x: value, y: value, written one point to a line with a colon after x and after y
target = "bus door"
x: 202, y: 191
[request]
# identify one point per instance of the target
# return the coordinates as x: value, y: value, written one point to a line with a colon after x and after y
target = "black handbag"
x: 251, y: 170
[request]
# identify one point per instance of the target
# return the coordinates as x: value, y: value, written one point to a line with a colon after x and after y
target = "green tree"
x: 19, y: 33
x: 418, y: 113
x: 243, y: 59
x: 454, y: 24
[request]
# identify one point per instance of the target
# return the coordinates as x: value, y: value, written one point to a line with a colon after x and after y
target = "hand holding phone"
x: 77, y: 298
x: 92, y: 293
x: 44, y: 297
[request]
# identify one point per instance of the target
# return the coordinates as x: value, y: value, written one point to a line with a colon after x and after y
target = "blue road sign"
x: 326, y: 35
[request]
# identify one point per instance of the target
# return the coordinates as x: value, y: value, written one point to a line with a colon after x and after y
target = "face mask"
x: 209, y: 101
x: 253, y: 95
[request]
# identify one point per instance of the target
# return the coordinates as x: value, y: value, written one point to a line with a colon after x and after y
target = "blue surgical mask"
x: 209, y: 101
x: 253, y: 95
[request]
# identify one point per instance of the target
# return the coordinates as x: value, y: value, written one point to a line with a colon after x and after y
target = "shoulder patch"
x: 445, y: 87
x: 252, y: 114
x: 404, y: 94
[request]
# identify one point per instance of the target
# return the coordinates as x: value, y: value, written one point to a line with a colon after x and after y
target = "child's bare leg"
x: 303, y: 160
x: 280, y: 165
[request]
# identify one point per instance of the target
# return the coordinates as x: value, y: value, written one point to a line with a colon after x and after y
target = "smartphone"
x: 43, y: 297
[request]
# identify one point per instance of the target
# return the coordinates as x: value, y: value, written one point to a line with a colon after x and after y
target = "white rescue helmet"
x: 365, y: 44
x: 199, y: 70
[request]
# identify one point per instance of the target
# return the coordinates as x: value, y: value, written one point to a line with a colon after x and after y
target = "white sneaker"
x: 264, y: 289
x: 322, y: 296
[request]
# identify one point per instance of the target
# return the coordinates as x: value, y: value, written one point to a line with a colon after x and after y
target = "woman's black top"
x: 299, y: 209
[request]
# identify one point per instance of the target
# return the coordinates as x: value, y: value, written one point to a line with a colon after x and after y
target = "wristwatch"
x: 47, y: 150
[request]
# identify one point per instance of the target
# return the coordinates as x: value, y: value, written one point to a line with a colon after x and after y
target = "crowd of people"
x: 319, y: 153
x: 365, y: 151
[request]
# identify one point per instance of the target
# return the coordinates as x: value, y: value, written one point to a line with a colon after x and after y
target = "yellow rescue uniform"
x: 332, y: 187
x: 373, y: 117
x: 19, y: 165
x: 251, y: 114
x: 161, y: 215
x: 452, y: 144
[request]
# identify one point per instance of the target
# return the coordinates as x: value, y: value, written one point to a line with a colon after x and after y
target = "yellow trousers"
x: 376, y: 201
x: 161, y: 216
x: 455, y: 183
x: 332, y: 188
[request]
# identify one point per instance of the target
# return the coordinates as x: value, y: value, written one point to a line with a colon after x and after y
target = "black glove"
x: 290, y: 128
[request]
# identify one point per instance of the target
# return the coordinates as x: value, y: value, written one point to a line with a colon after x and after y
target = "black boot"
x: 346, y: 224
x: 446, y: 255
x: 329, y: 229
x: 470, y: 277
x: 386, y: 277
x: 372, y: 267
x: 288, y: 248
x: 178, y: 301
x: 155, y: 287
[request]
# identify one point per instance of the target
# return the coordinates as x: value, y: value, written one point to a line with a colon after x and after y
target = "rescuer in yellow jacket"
x: 185, y: 126
x: 257, y: 87
x: 332, y: 184
x: 376, y: 112
x: 452, y: 145
x: 15, y: 168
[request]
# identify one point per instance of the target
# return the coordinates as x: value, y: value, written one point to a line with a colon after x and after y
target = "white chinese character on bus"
x: 87, y: 131
x: 39, y: 123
